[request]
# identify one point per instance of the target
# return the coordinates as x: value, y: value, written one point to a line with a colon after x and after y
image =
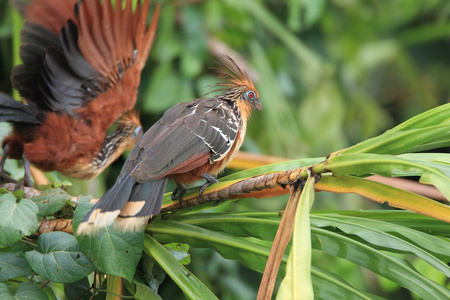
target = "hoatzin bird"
x: 192, y: 140
x: 82, y: 62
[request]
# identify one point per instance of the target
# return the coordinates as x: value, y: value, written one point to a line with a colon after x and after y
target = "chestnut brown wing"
x: 74, y: 55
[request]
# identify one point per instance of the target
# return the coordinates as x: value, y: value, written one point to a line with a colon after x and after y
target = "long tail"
x: 16, y: 111
x: 127, y: 203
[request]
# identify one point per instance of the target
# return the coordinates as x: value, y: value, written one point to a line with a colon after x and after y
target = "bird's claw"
x: 217, y: 202
x: 178, y: 193
x: 299, y: 182
x: 25, y: 181
x: 6, y: 177
x: 19, y: 185
x: 317, y: 177
x: 209, y: 180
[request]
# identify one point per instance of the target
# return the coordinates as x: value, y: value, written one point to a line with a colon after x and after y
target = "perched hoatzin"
x: 192, y: 140
x: 82, y: 62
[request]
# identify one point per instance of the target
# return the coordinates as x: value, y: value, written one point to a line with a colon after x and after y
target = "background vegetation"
x: 329, y: 73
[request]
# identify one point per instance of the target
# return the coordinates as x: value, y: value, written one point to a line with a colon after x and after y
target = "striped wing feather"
x: 188, y: 136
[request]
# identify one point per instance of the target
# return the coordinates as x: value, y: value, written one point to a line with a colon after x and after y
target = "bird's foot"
x: 317, y: 177
x: 6, y: 177
x: 209, y: 180
x: 3, y: 175
x: 217, y: 202
x: 26, y: 180
x: 22, y: 183
x: 178, y: 193
x: 298, y: 183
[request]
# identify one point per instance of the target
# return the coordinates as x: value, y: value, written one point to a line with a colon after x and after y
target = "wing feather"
x: 95, y: 45
x: 188, y: 136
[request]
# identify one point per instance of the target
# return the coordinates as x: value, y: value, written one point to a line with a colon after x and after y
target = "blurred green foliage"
x: 329, y: 73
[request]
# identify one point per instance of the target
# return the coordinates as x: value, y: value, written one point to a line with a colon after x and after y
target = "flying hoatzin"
x: 192, y: 140
x: 82, y: 62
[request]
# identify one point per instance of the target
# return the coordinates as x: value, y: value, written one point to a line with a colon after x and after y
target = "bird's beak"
x: 256, y: 104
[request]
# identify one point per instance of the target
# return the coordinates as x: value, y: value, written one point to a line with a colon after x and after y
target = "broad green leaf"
x: 379, y: 262
x: 18, y: 194
x: 154, y: 274
x: 25, y: 290
x: 180, y: 252
x: 376, y: 233
x: 16, y: 219
x: 297, y: 281
x: 78, y: 290
x: 112, y: 251
x: 58, y: 258
x: 188, y: 283
x: 51, y: 201
x: 13, y: 264
x: 141, y: 291
x: 83, y: 199
x: 5, y: 293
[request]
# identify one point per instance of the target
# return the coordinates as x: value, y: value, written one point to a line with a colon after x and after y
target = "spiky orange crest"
x: 235, y: 77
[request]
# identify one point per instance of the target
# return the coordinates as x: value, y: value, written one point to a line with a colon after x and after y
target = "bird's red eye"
x: 250, y: 94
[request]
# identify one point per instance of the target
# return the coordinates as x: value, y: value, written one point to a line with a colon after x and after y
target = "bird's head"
x: 238, y: 87
x: 128, y: 131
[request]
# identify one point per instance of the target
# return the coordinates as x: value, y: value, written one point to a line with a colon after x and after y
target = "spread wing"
x: 73, y: 51
x: 188, y: 136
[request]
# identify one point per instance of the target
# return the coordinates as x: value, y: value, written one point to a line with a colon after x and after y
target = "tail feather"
x: 144, y: 203
x: 128, y: 203
x: 16, y: 111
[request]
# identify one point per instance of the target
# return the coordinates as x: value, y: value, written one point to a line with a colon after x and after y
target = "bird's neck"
x: 109, y: 153
x: 244, y: 109
x: 235, y: 108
